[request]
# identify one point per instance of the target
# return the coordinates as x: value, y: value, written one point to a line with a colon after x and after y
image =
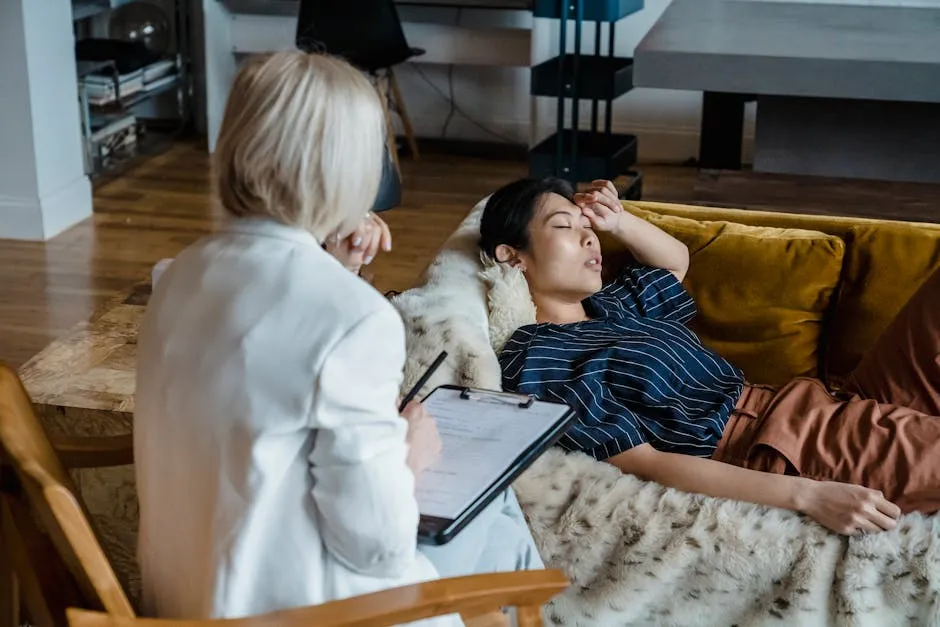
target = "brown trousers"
x: 882, y: 432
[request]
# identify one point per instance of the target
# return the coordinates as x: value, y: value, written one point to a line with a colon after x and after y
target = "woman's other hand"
x: 601, y: 205
x: 846, y: 508
x: 424, y: 442
x: 360, y: 247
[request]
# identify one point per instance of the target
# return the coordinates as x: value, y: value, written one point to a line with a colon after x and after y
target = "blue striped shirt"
x: 634, y: 372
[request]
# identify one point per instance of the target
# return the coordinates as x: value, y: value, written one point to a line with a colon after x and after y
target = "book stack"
x: 105, y: 88
x: 102, y: 89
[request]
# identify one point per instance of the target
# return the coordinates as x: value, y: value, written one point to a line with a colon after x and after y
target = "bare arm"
x: 706, y: 476
x: 841, y: 507
x: 652, y: 246
x: 649, y: 244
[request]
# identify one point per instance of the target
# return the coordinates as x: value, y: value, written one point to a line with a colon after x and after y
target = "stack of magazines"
x: 104, y: 88
x: 117, y: 70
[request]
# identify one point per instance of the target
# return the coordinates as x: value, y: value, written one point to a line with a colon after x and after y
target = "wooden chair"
x: 57, y: 566
x: 51, y: 557
x: 474, y: 598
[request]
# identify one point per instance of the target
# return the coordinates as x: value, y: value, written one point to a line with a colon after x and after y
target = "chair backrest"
x: 51, y: 496
x: 367, y: 33
x: 477, y: 598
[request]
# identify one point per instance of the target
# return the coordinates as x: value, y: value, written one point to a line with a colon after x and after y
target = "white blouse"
x: 270, y: 456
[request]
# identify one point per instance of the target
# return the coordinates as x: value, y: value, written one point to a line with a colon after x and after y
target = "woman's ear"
x: 507, y: 254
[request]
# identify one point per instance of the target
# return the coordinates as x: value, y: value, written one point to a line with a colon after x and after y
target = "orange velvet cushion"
x: 760, y: 291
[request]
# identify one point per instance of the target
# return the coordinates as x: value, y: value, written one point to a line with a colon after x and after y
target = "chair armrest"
x: 385, y: 608
x: 94, y: 451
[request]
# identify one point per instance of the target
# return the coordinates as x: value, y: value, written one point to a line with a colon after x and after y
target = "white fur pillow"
x: 508, y: 301
x: 466, y: 305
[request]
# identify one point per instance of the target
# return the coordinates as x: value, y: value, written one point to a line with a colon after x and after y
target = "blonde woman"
x: 273, y: 468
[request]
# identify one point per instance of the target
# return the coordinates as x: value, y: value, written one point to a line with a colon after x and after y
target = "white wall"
x: 43, y: 187
x: 666, y: 122
x: 17, y: 154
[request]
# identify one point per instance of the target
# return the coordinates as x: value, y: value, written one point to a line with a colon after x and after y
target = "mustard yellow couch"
x: 784, y: 295
x: 781, y: 296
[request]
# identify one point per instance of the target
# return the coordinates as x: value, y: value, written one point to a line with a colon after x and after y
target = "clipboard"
x: 484, y: 451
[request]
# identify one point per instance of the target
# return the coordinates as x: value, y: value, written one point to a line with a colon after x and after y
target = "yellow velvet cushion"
x: 762, y: 292
x: 884, y: 266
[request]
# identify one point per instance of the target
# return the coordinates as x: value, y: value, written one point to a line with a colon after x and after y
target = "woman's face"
x: 564, y: 254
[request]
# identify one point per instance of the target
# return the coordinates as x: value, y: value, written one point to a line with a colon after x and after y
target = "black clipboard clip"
x: 468, y: 394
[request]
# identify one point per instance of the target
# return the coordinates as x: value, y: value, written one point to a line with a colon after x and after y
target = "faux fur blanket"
x: 640, y: 554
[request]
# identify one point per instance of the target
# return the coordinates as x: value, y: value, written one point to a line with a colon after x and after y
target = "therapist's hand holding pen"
x: 424, y: 442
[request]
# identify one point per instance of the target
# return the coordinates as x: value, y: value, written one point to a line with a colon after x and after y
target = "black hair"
x: 509, y: 211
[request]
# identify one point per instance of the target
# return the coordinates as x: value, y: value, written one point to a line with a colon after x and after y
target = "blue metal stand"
x: 570, y: 152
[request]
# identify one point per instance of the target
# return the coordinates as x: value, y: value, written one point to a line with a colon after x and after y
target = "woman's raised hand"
x: 360, y: 247
x: 601, y: 205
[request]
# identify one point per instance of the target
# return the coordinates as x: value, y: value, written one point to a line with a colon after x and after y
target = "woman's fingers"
x: 583, y: 199
x: 888, y: 508
x: 357, y: 240
x: 372, y: 244
x: 592, y: 214
x: 607, y: 187
x: 605, y: 202
x: 877, y: 514
x: 883, y: 521
x: 385, y: 233
x: 371, y: 234
x: 864, y: 525
x: 873, y: 521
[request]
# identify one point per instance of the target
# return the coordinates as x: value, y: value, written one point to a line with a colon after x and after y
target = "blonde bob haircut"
x: 301, y: 143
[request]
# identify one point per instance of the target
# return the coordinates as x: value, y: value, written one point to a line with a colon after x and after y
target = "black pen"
x: 424, y: 379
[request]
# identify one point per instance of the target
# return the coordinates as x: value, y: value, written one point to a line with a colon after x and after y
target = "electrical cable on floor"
x: 452, y: 101
x: 457, y: 109
x: 453, y: 104
x: 450, y: 85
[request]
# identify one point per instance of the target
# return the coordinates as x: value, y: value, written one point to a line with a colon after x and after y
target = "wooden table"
x: 83, y: 384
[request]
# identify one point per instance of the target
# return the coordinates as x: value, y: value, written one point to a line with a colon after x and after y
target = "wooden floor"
x: 165, y: 204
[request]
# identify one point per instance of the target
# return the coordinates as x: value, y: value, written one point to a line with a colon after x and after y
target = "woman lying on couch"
x: 656, y: 403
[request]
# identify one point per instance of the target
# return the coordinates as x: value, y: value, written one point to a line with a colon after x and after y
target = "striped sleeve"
x: 604, y: 429
x: 648, y: 292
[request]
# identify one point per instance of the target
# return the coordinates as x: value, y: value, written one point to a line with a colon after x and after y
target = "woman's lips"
x: 594, y: 263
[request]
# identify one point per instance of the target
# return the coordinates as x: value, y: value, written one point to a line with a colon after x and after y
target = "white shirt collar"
x: 266, y: 227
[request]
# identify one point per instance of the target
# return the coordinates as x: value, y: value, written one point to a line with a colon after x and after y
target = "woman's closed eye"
x: 566, y: 225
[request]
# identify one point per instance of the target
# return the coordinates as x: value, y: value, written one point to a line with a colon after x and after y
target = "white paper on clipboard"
x: 481, y: 436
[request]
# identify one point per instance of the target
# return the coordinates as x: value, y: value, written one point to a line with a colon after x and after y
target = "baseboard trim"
x: 656, y: 145
x: 473, y: 148
x: 40, y: 219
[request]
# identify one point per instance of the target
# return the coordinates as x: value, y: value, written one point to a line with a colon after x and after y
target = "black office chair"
x: 368, y: 34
